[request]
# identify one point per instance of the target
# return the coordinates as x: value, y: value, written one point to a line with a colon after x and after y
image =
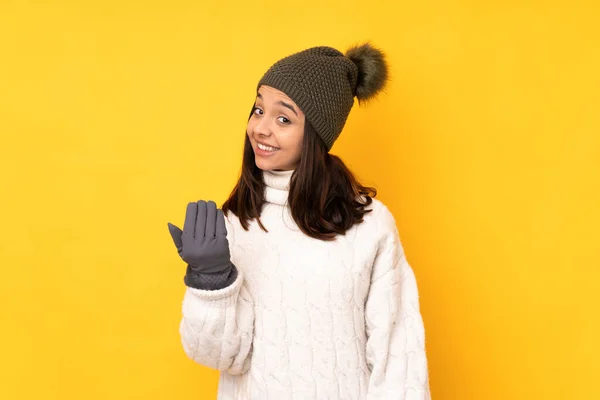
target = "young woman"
x: 298, y: 288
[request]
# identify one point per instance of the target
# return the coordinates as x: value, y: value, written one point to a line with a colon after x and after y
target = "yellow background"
x: 486, y: 147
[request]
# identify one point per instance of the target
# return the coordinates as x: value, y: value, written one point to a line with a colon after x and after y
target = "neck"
x: 277, y: 186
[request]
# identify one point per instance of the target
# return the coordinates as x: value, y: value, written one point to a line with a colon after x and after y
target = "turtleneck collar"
x: 277, y: 186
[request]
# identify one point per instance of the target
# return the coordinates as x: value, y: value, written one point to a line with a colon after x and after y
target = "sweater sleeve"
x: 395, y: 349
x: 218, y: 325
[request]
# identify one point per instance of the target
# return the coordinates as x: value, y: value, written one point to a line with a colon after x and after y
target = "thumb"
x: 176, y: 235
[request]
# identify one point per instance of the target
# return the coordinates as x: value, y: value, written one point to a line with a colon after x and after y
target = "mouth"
x: 266, y: 148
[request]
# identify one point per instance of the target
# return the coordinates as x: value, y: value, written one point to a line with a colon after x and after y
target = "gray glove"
x: 203, y: 242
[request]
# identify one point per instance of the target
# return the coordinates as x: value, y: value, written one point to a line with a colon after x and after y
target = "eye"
x: 284, y: 120
x: 258, y: 110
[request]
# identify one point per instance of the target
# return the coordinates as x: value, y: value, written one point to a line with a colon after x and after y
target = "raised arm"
x: 218, y: 318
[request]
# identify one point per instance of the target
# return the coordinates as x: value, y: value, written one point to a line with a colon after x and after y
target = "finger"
x: 221, y: 229
x: 189, y: 226
x: 211, y: 219
x: 176, y: 235
x: 201, y: 219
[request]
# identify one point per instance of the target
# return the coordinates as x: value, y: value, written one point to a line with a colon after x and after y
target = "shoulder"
x: 380, y: 218
x: 232, y: 224
x: 380, y: 229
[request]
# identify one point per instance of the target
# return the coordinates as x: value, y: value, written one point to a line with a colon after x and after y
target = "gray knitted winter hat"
x: 323, y: 82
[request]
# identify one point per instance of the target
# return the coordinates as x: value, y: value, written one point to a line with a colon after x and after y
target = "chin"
x: 266, y: 165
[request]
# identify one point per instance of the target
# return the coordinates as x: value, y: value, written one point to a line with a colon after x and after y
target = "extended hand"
x: 203, y: 242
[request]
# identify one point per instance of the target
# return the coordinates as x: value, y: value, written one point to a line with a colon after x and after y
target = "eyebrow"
x: 291, y: 107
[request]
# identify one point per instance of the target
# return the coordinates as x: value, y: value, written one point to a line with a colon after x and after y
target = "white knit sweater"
x: 309, y: 319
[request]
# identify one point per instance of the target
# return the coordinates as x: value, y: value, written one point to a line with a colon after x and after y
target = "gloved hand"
x: 203, y: 242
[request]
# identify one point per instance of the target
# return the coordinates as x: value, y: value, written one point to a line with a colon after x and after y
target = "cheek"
x: 293, y: 146
x: 298, y: 146
x: 290, y: 142
x: 298, y: 139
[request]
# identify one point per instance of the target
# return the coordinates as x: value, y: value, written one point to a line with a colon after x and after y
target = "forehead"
x: 268, y: 91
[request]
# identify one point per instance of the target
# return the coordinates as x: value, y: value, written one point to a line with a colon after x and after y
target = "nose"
x: 262, y: 128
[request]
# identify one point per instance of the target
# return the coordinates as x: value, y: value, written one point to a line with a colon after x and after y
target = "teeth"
x: 266, y: 148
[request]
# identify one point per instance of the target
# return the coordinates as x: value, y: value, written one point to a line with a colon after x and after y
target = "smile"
x: 266, y: 148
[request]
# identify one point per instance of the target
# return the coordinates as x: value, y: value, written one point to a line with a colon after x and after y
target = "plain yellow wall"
x: 486, y: 147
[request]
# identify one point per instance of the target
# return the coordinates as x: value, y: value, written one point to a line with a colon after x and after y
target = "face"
x: 275, y: 130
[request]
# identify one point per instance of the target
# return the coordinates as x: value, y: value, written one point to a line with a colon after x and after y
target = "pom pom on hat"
x: 372, y: 70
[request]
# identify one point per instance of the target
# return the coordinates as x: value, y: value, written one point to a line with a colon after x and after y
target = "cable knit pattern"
x: 308, y: 319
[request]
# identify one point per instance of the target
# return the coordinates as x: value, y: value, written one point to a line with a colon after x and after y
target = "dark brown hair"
x: 325, y: 198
